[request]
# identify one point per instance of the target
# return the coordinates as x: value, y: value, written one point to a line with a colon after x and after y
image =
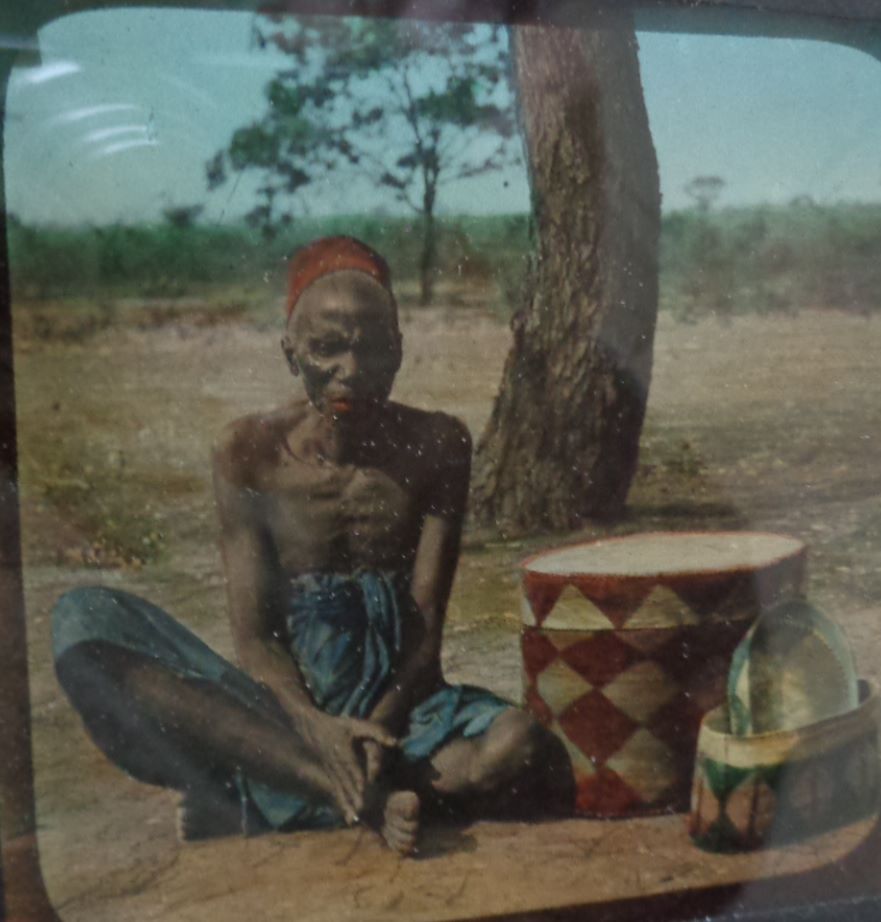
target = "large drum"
x: 626, y: 645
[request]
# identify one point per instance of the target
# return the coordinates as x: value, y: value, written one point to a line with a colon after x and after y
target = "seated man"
x: 341, y: 515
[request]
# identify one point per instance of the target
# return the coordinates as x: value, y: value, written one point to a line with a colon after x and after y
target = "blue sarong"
x: 344, y: 632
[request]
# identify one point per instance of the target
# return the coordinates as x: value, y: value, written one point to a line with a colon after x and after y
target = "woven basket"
x: 772, y: 788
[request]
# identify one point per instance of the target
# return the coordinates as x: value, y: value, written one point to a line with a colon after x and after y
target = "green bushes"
x: 749, y: 260
x: 147, y: 260
x: 772, y: 259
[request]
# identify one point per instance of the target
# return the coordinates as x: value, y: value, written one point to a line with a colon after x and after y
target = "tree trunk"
x: 562, y: 443
x: 429, y: 255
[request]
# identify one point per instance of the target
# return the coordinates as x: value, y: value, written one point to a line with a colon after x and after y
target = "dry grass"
x: 766, y: 423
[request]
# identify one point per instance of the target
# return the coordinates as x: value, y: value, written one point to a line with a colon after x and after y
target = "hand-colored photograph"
x: 442, y: 475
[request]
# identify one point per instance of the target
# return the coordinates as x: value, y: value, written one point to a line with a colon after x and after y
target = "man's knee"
x: 92, y: 614
x: 100, y: 683
x: 82, y: 601
x: 91, y: 668
x: 535, y: 762
x: 518, y: 737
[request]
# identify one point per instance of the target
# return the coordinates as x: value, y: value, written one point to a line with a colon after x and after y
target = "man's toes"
x: 403, y: 805
x: 401, y: 841
x: 401, y: 826
x: 207, y: 818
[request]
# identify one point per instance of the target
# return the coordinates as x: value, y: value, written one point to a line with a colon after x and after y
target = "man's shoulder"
x: 249, y: 443
x: 441, y: 447
x: 441, y: 434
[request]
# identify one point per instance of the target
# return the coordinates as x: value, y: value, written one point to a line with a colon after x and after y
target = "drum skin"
x: 623, y: 666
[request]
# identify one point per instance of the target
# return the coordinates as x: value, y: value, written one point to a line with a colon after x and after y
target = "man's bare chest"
x: 330, y: 509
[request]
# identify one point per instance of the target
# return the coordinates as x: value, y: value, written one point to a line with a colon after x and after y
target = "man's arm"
x: 437, y: 554
x: 249, y: 568
x: 251, y: 577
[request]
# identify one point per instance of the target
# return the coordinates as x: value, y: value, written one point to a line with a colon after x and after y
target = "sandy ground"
x: 769, y: 423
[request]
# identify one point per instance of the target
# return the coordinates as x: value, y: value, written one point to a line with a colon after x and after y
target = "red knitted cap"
x: 332, y: 254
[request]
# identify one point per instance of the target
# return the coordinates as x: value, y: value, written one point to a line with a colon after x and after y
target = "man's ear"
x: 287, y: 347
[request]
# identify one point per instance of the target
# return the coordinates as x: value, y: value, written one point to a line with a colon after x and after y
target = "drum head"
x: 660, y: 579
x: 666, y: 554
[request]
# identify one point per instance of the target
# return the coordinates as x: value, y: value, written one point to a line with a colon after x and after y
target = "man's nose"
x: 348, y: 367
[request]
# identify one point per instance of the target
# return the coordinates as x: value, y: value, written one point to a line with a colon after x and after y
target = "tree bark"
x: 562, y: 443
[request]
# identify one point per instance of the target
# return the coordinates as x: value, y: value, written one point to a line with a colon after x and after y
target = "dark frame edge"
x: 23, y: 896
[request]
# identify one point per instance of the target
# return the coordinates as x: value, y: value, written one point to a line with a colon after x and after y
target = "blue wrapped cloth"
x: 344, y: 632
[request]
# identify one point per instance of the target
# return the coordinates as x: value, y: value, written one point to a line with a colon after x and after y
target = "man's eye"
x: 325, y: 347
x: 374, y: 349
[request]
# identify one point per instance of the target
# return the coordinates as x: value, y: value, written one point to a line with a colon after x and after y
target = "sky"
x: 117, y: 121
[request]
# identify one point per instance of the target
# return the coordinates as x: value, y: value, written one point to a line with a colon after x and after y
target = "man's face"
x: 343, y: 336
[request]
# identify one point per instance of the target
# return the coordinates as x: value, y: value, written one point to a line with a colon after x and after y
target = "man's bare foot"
x: 400, y: 822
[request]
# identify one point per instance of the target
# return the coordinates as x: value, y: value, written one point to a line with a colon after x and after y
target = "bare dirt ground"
x: 767, y: 423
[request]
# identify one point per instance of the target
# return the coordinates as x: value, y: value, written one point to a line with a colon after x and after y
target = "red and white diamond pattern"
x: 648, y: 604
x: 628, y: 705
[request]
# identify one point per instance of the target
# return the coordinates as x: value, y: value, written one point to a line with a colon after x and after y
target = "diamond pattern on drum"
x: 647, y: 640
x: 573, y: 611
x: 582, y: 765
x: 629, y: 703
x: 662, y: 607
x: 538, y: 653
x: 535, y: 704
x: 705, y: 598
x: 596, y: 726
x: 559, y: 685
x: 541, y: 598
x: 641, y: 690
x: 751, y: 808
x: 600, y: 657
x: 527, y: 615
x: 621, y: 607
x: 677, y: 723
x: 688, y: 649
x: 584, y: 605
x: 660, y: 765
x: 605, y: 794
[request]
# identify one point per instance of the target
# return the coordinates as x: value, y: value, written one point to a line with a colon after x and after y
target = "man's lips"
x: 340, y: 404
x: 344, y: 402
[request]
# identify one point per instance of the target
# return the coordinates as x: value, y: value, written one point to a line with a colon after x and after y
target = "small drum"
x: 626, y: 645
x: 777, y: 787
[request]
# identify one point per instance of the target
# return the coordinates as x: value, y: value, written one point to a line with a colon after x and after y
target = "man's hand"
x: 339, y: 743
x: 375, y: 759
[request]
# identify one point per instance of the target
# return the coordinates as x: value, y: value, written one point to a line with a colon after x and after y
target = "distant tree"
x: 182, y: 216
x: 704, y: 190
x: 408, y: 106
x: 709, y: 283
